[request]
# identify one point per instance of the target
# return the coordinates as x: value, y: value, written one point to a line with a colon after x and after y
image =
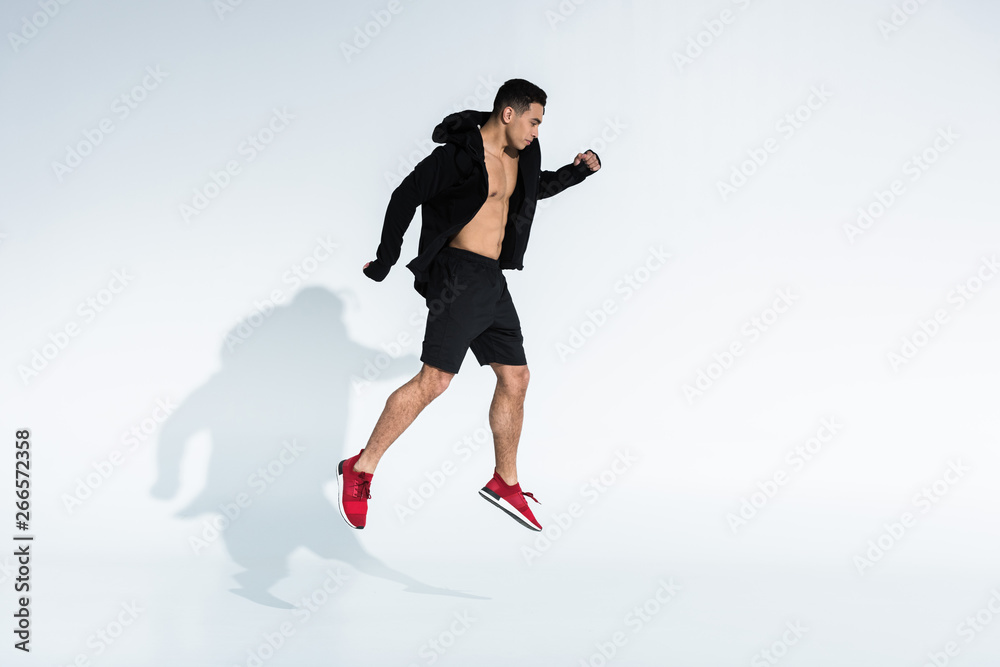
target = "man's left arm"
x: 553, y: 182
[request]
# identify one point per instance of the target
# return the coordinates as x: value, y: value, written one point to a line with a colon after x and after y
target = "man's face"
x: 524, y: 128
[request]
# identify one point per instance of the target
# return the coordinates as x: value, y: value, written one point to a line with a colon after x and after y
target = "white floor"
x: 493, y: 611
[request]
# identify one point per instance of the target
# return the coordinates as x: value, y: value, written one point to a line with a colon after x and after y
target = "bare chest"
x: 502, y: 173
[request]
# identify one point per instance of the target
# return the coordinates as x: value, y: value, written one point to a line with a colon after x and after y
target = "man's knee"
x: 435, y: 379
x: 514, y: 378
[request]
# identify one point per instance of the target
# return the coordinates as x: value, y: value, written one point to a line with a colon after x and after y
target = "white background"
x: 668, y: 132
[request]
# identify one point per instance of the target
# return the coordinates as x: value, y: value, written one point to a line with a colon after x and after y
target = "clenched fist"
x: 589, y: 158
x: 375, y: 270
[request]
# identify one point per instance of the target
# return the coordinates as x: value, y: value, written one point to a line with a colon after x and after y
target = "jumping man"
x: 477, y: 194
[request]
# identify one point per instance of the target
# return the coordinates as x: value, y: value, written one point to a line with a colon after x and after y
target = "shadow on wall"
x: 277, y: 412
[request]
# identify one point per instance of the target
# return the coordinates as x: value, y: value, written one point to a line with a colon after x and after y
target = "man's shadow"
x: 276, y: 412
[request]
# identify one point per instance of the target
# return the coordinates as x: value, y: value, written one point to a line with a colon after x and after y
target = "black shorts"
x: 469, y: 306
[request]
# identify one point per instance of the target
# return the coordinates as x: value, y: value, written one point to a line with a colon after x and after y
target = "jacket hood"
x: 455, y: 127
x: 462, y: 128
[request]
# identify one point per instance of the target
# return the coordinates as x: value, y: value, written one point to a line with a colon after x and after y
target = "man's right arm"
x: 431, y: 175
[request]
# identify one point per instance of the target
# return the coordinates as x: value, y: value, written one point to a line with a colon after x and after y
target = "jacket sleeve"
x: 431, y: 175
x: 552, y: 183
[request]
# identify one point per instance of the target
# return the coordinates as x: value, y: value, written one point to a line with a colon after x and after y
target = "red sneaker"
x: 353, y: 492
x: 511, y: 500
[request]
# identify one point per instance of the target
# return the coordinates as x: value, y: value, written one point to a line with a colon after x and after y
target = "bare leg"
x: 506, y: 417
x: 401, y: 408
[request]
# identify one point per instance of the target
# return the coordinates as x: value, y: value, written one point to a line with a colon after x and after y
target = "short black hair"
x: 517, y: 94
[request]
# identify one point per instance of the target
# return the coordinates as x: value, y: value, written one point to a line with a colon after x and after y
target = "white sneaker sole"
x: 340, y: 496
x: 508, y: 508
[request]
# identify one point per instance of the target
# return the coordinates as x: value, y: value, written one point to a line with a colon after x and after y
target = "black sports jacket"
x: 451, y: 185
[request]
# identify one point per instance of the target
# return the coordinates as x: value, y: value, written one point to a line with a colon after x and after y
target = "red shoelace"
x: 363, y: 489
x: 528, y: 493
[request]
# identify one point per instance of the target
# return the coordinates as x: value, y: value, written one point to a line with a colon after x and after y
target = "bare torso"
x: 483, y: 234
